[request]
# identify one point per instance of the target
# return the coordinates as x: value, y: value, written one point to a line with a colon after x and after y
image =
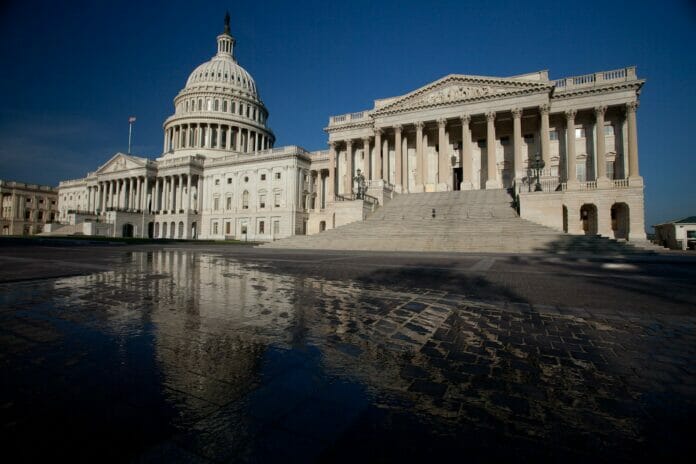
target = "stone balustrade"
x: 595, y: 79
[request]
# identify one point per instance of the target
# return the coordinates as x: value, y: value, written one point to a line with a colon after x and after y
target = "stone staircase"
x: 464, y: 221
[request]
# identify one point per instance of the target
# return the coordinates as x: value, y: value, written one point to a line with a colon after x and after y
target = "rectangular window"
x: 229, y: 203
x: 580, y: 171
x: 691, y: 234
x: 217, y: 181
x: 224, y: 106
x: 215, y: 228
x: 610, y: 169
x: 244, y: 229
x: 227, y: 228
x: 276, y: 201
x: 216, y: 203
x: 263, y: 176
x: 229, y: 180
x: 277, y: 175
x: 262, y: 227
x: 609, y: 130
x: 276, y: 227
x: 553, y: 134
x: 579, y: 132
x: 262, y: 201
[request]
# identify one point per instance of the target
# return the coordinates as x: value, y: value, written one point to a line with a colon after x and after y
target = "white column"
x: 492, y: 180
x: 348, y: 188
x: 544, y: 135
x: 421, y: 174
x: 517, y: 142
x: 188, y: 192
x: 631, y: 109
x: 571, y: 177
x: 401, y: 181
x: 466, y: 156
x: 366, y: 158
x: 199, y: 194
x: 442, y: 161
x: 332, y: 171
x: 601, y: 148
x: 375, y: 164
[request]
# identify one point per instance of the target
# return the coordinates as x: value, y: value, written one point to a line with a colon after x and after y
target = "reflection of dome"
x: 219, y: 109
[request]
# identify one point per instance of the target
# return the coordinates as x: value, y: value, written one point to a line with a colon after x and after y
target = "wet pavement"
x: 211, y: 354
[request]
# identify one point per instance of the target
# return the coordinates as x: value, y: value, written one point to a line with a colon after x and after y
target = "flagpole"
x: 131, y: 120
x: 130, y: 134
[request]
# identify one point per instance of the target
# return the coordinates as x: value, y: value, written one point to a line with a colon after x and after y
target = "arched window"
x: 200, y: 104
x: 224, y: 106
x: 187, y: 103
x: 245, y: 200
x: 216, y: 105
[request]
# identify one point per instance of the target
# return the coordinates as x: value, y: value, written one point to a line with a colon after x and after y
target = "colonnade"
x: 212, y: 135
x: 171, y: 193
x: 318, y: 193
x: 376, y: 149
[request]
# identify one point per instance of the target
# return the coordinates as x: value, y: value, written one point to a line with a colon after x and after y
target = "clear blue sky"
x: 72, y: 72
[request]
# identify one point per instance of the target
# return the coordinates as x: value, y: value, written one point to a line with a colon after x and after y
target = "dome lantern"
x: 225, y: 40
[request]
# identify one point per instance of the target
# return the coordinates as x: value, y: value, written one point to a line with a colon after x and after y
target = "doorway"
x: 457, y: 174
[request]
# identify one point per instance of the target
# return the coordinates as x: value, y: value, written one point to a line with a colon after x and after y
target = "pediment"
x: 121, y: 162
x: 461, y: 88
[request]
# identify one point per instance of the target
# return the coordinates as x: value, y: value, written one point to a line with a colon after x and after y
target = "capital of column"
x: 398, y: 128
x: 466, y: 119
x: 490, y: 116
x: 349, y: 143
x: 378, y: 131
x: 516, y: 113
x: 441, y: 123
x: 600, y: 110
x: 366, y: 140
x: 631, y: 107
x: 544, y: 109
x: 332, y: 145
x: 419, y: 125
x: 570, y: 114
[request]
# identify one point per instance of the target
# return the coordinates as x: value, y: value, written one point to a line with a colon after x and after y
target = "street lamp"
x: 537, y: 165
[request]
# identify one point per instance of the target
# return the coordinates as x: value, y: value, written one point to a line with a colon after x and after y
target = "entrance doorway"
x: 127, y: 230
x: 150, y: 229
x: 620, y: 220
x: 457, y: 174
x: 588, y: 216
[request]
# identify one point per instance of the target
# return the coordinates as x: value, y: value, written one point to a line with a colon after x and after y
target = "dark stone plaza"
x: 212, y: 353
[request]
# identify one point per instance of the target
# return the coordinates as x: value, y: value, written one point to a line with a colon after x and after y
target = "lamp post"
x: 537, y: 165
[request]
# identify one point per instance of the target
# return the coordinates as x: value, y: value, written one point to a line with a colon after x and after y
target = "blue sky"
x: 72, y: 72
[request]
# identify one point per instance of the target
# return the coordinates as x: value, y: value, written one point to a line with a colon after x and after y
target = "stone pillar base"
x: 492, y: 184
x: 604, y: 183
x: 443, y: 187
x: 573, y: 185
x: 418, y: 189
x: 635, y: 181
x: 466, y: 186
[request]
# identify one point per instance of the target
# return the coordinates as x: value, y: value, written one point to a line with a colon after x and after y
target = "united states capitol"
x: 524, y: 154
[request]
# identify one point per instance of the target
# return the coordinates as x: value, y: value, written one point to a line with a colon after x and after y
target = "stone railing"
x: 349, y: 117
x: 595, y: 79
x: 620, y: 183
x: 528, y: 184
x: 13, y: 184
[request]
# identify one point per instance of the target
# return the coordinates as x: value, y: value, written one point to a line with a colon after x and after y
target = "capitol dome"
x: 219, y: 109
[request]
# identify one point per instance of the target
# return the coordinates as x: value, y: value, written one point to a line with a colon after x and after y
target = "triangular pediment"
x: 122, y: 162
x: 457, y: 88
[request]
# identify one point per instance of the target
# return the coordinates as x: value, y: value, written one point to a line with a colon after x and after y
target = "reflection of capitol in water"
x: 216, y: 330
x: 212, y: 319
